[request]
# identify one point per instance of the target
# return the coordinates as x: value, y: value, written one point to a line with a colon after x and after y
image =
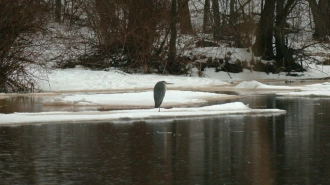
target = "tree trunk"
x: 106, y: 12
x: 58, y: 10
x: 232, y: 14
x: 281, y: 47
x: 263, y: 45
x: 172, y: 49
x: 320, y: 12
x: 141, y: 30
x: 184, y: 17
x: 216, y: 18
x: 206, y: 19
x: 284, y: 57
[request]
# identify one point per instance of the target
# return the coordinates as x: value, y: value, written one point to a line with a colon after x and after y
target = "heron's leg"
x: 159, y: 109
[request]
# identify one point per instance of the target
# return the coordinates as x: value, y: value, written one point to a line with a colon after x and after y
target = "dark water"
x: 241, y: 149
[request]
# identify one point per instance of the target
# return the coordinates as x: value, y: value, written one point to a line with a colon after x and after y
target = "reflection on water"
x: 288, y: 149
x: 36, y: 104
x: 20, y: 104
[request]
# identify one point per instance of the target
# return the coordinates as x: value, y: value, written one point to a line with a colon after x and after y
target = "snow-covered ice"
x: 319, y: 89
x: 137, y: 99
x: 257, y: 85
x: 128, y: 115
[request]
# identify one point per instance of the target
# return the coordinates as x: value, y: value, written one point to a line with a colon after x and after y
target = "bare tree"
x: 216, y: 18
x: 233, y: 12
x: 20, y: 20
x: 184, y: 17
x: 269, y: 28
x: 283, y: 53
x: 58, y: 11
x: 263, y: 45
x: 321, y: 17
x: 141, y: 31
x: 172, y: 47
x: 207, y: 17
x: 107, y: 24
x: 125, y: 32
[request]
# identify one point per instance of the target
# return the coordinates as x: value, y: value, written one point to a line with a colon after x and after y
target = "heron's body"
x: 159, y: 93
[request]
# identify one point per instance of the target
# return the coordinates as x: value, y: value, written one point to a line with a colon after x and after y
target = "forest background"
x: 158, y: 36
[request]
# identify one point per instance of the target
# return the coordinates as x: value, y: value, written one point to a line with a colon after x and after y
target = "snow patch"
x: 251, y: 85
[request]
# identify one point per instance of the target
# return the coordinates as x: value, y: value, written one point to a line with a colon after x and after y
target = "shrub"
x: 20, y: 20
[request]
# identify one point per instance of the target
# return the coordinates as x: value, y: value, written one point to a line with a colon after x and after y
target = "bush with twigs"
x: 19, y: 21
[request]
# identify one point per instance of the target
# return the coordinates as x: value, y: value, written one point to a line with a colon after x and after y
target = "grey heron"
x: 159, y: 93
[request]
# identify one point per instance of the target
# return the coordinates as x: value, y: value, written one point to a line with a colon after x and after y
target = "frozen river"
x: 293, y: 148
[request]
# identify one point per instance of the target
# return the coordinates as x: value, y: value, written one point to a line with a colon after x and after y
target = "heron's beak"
x: 168, y: 83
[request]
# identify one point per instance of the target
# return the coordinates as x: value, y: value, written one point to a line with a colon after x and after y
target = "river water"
x: 241, y: 149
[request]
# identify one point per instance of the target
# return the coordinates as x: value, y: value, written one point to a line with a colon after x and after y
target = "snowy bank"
x: 130, y: 115
x: 79, y: 79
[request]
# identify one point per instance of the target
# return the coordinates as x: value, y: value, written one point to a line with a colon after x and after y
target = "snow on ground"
x: 314, y: 71
x: 240, y: 54
x: 83, y: 80
x: 129, y: 115
x: 80, y: 79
